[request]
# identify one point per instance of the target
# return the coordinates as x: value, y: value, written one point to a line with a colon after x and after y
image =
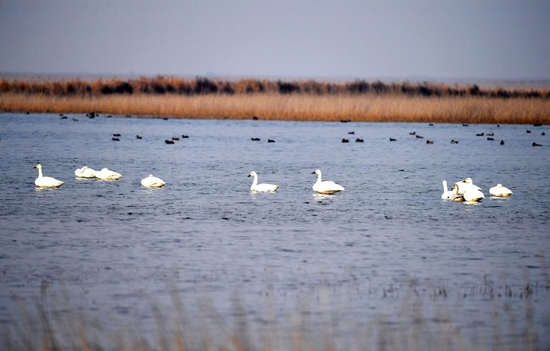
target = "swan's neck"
x: 255, y: 182
x: 39, y: 172
x: 445, y: 189
x: 319, y: 177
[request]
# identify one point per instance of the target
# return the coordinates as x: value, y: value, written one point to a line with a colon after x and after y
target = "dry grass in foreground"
x: 294, y: 107
x: 423, y: 322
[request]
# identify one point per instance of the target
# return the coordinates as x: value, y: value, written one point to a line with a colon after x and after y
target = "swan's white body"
x: 152, y: 182
x: 470, y: 191
x: 446, y: 192
x: 261, y: 187
x: 327, y: 186
x: 500, y: 191
x: 107, y: 174
x: 84, y: 172
x: 466, y: 184
x: 46, y: 182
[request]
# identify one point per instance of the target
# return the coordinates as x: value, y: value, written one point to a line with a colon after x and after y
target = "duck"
x: 84, y: 172
x: 454, y: 141
x: 107, y: 174
x: 152, y: 182
x: 500, y: 191
x: 327, y: 186
x: 46, y: 182
x: 261, y: 187
x: 446, y: 193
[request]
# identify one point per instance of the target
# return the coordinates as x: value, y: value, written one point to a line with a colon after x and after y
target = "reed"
x: 423, y: 321
x: 293, y: 107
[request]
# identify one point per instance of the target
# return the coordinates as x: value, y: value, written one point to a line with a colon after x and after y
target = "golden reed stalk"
x: 294, y: 107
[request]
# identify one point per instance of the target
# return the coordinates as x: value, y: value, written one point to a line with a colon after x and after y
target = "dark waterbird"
x: 502, y: 142
x: 270, y: 140
x: 139, y: 137
x: 429, y: 142
x: 392, y: 139
x: 535, y: 144
x: 115, y: 139
x: 490, y: 139
x: 169, y: 142
x: 185, y: 136
x: 528, y: 131
x: 412, y: 133
x: 175, y: 138
x: 345, y: 140
x: 116, y: 135
x: 480, y: 134
x: 255, y: 139
x: 358, y: 140
x: 454, y: 141
x: 351, y: 133
x: 419, y: 137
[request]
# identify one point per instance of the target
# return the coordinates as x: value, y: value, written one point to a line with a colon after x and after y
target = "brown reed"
x: 293, y: 107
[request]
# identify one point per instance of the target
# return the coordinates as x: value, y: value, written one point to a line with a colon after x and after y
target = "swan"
x: 500, y: 191
x: 152, y: 182
x: 465, y: 185
x: 107, y: 174
x: 84, y: 172
x: 455, y: 196
x: 46, y: 182
x: 327, y: 186
x: 473, y: 195
x: 446, y: 193
x: 261, y: 187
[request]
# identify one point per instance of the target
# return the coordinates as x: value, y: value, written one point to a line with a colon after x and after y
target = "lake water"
x: 116, y: 247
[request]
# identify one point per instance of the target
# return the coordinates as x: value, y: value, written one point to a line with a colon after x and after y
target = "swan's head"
x: 38, y: 166
x: 468, y: 181
x: 317, y: 171
x: 252, y: 174
x: 499, y: 185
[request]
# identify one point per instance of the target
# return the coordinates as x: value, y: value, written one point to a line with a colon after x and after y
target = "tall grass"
x: 306, y: 100
x: 423, y: 321
x: 356, y: 108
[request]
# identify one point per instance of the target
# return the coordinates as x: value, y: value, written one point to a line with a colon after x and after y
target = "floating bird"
x: 490, y: 139
x: 75, y: 119
x: 429, y: 142
x: 392, y: 139
x: 345, y: 140
x: 412, y: 133
x: 446, y: 192
x: 184, y: 136
x: 351, y: 133
x: 454, y: 141
x: 255, y: 139
x: 84, y: 172
x: 254, y: 118
x: 152, y: 182
x: 261, y: 187
x: 169, y: 142
x: 466, y: 184
x: 107, y: 174
x: 543, y: 133
x: 270, y: 140
x: 419, y: 137
x: 358, y: 140
x: 490, y: 134
x: 464, y: 124
x: 528, y: 131
x: 480, y: 134
x: 537, y: 124
x: 46, y: 182
x: 470, y: 192
x: 175, y: 138
x: 139, y: 137
x: 327, y: 186
x: 116, y: 135
x: 500, y: 191
x: 502, y: 142
x: 115, y: 139
x: 535, y: 144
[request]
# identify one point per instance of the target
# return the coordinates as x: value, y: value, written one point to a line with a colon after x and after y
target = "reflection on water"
x: 115, y: 243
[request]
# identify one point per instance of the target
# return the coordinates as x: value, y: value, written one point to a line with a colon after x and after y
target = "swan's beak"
x: 313, y: 172
x: 249, y: 175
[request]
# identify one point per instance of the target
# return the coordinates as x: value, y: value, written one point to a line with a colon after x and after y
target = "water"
x: 115, y: 246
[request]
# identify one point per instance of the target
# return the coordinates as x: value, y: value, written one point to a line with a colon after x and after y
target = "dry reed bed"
x: 294, y: 107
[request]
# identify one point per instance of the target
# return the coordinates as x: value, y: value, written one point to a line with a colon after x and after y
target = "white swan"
x: 46, y: 182
x: 500, y: 191
x: 465, y: 185
x: 84, y: 172
x: 327, y: 186
x: 107, y: 174
x: 473, y: 195
x: 152, y: 182
x: 261, y: 187
x: 446, y: 193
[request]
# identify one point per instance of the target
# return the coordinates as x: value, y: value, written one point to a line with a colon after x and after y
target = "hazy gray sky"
x: 427, y: 39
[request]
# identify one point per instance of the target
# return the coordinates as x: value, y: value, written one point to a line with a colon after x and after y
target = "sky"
x: 308, y: 39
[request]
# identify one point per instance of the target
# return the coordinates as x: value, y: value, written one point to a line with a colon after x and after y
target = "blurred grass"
x: 422, y: 321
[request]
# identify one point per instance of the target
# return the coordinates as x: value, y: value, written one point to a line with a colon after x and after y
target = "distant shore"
x: 357, y: 101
